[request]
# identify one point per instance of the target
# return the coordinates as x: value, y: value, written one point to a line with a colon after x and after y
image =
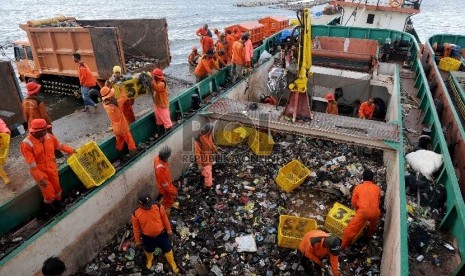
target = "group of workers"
x: 365, y: 111
x: 231, y: 48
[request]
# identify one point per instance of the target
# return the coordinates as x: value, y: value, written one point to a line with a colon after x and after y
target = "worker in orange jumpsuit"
x: 315, y: 245
x: 161, y: 102
x: 87, y: 81
x: 237, y: 60
x: 194, y: 56
x: 207, y: 43
x: 206, y: 66
x: 218, y: 59
x: 230, y: 38
x: 163, y: 177
x: 124, y: 102
x: 4, y: 129
x: 118, y: 122
x: 248, y: 51
x: 366, y: 109
x: 38, y: 149
x: 152, y: 229
x: 331, y: 108
x: 34, y: 108
x: 268, y: 100
x: 217, y: 33
x: 365, y: 200
x: 204, y: 31
x: 222, y: 48
x: 237, y: 33
x: 204, y: 149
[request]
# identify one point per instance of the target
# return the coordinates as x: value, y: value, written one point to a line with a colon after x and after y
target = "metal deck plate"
x: 349, y: 129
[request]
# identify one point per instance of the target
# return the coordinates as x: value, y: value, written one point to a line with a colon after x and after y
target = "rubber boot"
x: 149, y: 256
x: 170, y: 259
x: 120, y: 155
x: 4, y: 176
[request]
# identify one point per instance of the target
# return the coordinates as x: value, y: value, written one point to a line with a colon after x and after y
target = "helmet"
x: 157, y: 72
x: 32, y: 88
x: 116, y: 69
x: 164, y: 153
x: 329, y: 97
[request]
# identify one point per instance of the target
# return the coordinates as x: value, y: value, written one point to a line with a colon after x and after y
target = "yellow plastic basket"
x: 227, y: 138
x: 91, y: 165
x: 260, y: 143
x: 292, y: 175
x: 338, y: 218
x: 449, y: 64
x: 292, y: 229
x: 244, y: 131
x: 4, y: 147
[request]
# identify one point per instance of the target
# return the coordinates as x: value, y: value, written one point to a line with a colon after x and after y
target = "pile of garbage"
x: 141, y: 62
x: 234, y: 230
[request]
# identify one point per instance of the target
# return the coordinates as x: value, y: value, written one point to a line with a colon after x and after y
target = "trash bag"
x: 264, y: 57
x: 424, y: 161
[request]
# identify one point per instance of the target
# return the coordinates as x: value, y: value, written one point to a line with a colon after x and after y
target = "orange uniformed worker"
x: 222, y: 47
x: 268, y: 99
x: 207, y: 43
x: 206, y: 66
x: 365, y: 200
x: 118, y: 122
x: 230, y: 38
x: 237, y: 33
x: 38, y: 149
x: 4, y: 129
x: 331, y: 108
x: 163, y: 177
x: 87, y: 81
x: 204, y: 150
x: 153, y: 230
x: 32, y: 107
x: 366, y: 109
x: 161, y: 102
x: 237, y: 60
x: 248, y: 51
x: 124, y: 102
x: 194, y: 56
x: 316, y: 245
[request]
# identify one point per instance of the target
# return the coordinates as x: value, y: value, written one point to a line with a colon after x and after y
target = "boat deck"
x: 341, y: 128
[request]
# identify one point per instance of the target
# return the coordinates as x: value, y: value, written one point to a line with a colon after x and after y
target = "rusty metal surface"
x: 367, y: 132
x: 10, y: 105
x: 106, y: 50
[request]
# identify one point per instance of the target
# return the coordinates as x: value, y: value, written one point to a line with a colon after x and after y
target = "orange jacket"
x: 85, y: 75
x: 150, y: 222
x: 207, y: 43
x: 237, y: 34
x: 318, y: 250
x: 40, y: 155
x: 34, y: 109
x: 163, y: 176
x: 3, y: 127
x: 366, y: 111
x: 230, y: 39
x: 248, y: 50
x: 118, y: 121
x: 366, y: 197
x: 160, y: 94
x: 205, y: 67
x: 204, y: 149
x: 238, y: 53
x: 270, y: 100
x: 220, y: 46
x: 332, y: 108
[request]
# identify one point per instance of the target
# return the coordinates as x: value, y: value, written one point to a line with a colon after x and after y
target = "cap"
x: 32, y: 88
x: 206, y: 128
x: 334, y: 244
x: 158, y: 73
x: 106, y: 92
x: 38, y: 125
x: 145, y: 200
x: 116, y: 69
x: 329, y: 97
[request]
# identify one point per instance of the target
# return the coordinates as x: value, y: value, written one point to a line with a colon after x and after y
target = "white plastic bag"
x: 424, y: 161
x: 264, y: 57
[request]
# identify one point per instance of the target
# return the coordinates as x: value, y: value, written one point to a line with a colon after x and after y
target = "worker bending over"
x: 366, y: 109
x: 365, y: 201
x: 152, y: 229
x: 124, y: 102
x: 163, y: 177
x: 316, y: 245
x: 38, y: 149
x: 118, y: 122
x: 206, y: 66
x: 331, y: 108
x: 4, y: 129
x: 161, y: 102
x: 194, y: 56
x: 204, y: 150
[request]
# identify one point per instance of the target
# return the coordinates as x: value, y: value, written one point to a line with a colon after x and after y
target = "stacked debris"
x: 235, y: 230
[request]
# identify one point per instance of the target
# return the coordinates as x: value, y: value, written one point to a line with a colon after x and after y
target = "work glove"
x: 43, y: 183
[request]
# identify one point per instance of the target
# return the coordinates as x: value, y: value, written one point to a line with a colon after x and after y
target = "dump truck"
x: 46, y: 56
